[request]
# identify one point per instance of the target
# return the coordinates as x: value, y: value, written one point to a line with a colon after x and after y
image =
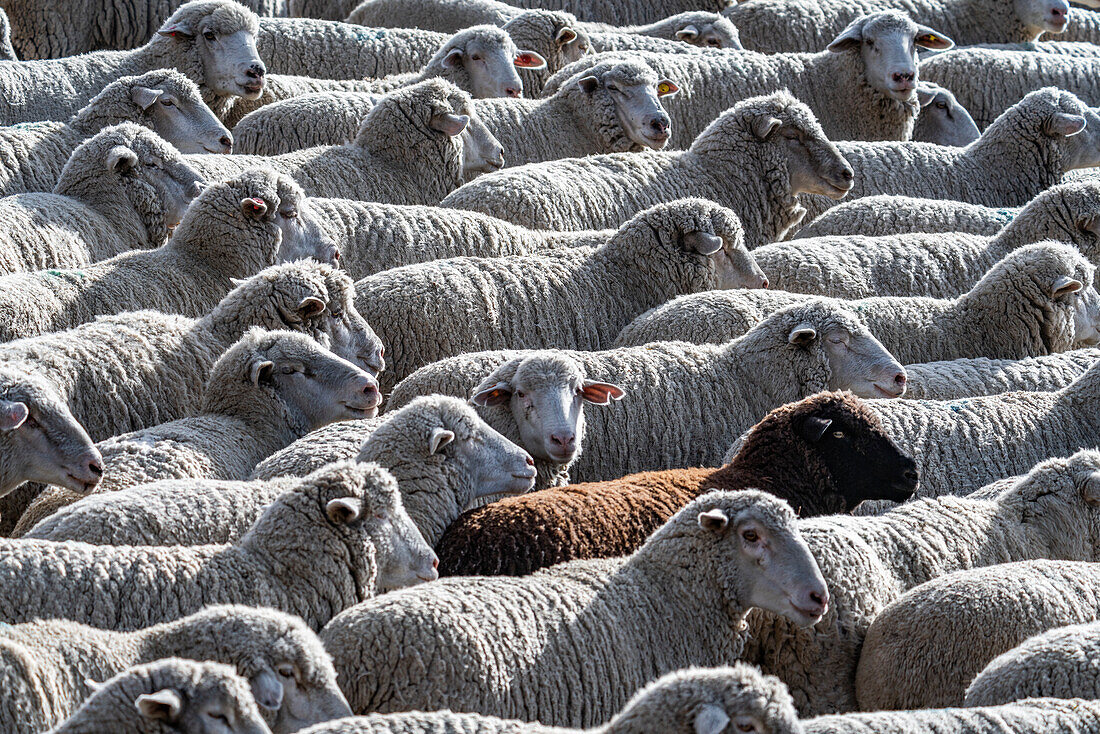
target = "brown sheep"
x: 824, y: 455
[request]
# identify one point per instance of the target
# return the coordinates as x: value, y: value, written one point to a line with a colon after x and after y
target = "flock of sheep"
x: 736, y: 365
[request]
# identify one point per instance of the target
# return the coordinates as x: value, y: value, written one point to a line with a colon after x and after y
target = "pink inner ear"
x: 528, y: 61
x: 13, y: 416
x: 601, y: 393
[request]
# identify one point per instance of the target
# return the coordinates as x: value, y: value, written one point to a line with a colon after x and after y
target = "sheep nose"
x: 227, y: 143
x: 764, y: 283
x: 565, y: 440
x: 256, y: 71
x: 435, y: 563
x: 911, y: 475
x: 900, y: 379
x: 903, y: 76
x: 94, y: 468
x: 513, y: 92
x: 819, y: 601
x: 1057, y: 12
x: 847, y: 173
x: 529, y: 460
x: 659, y: 124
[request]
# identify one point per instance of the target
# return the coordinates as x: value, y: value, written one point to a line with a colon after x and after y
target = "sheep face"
x: 481, y: 151
x: 213, y: 701
x: 752, y: 548
x: 349, y: 333
x: 224, y: 40
x: 1042, y: 16
x: 489, y: 59
x: 175, y: 110
x: 634, y: 94
x: 709, y: 31
x: 1086, y: 317
x: 150, y: 161
x: 40, y: 440
x: 302, y: 235
x: 942, y: 119
x: 814, y: 165
x: 1078, y: 126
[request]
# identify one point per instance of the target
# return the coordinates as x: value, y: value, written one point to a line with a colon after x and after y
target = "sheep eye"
x: 838, y: 434
x: 520, y: 394
x: 286, y: 671
x: 219, y: 717
x: 476, y: 57
x: 612, y: 88
x: 167, y: 102
x: 870, y: 43
x: 746, y: 727
x: 209, y: 35
x: 941, y: 105
x: 750, y: 536
x: 713, y: 42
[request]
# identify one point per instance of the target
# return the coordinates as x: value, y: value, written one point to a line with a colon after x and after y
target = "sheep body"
x: 885, y: 214
x: 962, y: 378
x: 1035, y: 716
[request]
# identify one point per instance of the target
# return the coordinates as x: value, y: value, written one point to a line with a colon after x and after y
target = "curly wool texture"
x: 989, y: 81
x: 189, y: 275
x: 123, y: 373
x: 671, y: 704
x: 519, y: 535
x: 1043, y: 716
x: 575, y: 298
x: 1073, y: 49
x: 396, y: 157
x: 55, y: 89
x: 539, y: 647
x: 940, y: 264
x: 1083, y: 26
x: 33, y: 154
x: 47, y: 663
x: 1013, y: 161
x: 7, y: 52
x: 238, y: 422
x: 868, y: 562
x: 877, y: 216
x: 926, y: 648
x: 963, y: 378
x: 1054, y: 664
x: 1008, y: 314
x: 95, y: 211
x: 774, y: 26
x: 727, y: 163
x: 294, y: 559
x: 754, y: 375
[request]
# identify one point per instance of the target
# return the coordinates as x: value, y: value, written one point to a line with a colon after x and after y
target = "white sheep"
x: 410, y: 149
x: 49, y: 665
x: 869, y: 562
x: 744, y: 160
x: 326, y: 544
x: 163, y: 100
x: 233, y: 229
x: 942, y: 120
x: 884, y: 214
x: 794, y: 353
x: 1033, y: 716
x: 539, y: 647
x: 212, y: 42
x: 267, y: 390
x: 963, y: 378
x: 575, y: 298
x: 442, y: 455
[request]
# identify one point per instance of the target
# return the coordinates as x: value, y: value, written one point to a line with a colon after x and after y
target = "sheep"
x: 623, y: 14
x: 963, y: 378
x: 1073, y: 49
x: 554, y: 35
x: 614, y: 107
x: 408, y: 151
x: 868, y: 562
x: 546, y: 635
x: 934, y: 264
x: 40, y: 439
x: 942, y: 120
x: 743, y: 160
x: 267, y: 390
x: 875, y: 216
x: 1052, y: 664
x: 700, y: 700
x: 773, y: 26
x: 684, y: 246
x: 442, y: 455
x: 7, y: 51
x: 1038, y: 300
x: 168, y: 696
x: 122, y: 190
x: 1034, y: 716
x: 325, y: 544
x: 232, y: 229
x: 1037, y: 140
x: 989, y: 81
x: 860, y: 88
x: 124, y: 373
x: 796, y: 352
x: 823, y: 455
x: 164, y: 100
x: 212, y: 42
x: 536, y: 400
x: 927, y: 647
x: 49, y: 664
x: 1082, y: 27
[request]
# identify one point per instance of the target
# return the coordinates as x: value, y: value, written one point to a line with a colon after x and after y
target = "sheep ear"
x: 12, y: 415
x: 453, y: 59
x: 1090, y: 488
x: 253, y: 207
x: 763, y: 127
x: 529, y: 60
x: 601, y: 393
x: 440, y: 437
x: 121, y: 159
x: 711, y: 719
x: 814, y: 427
x: 93, y: 686
x: 704, y: 243
x: 177, y: 29
x: 344, y: 510
x: 667, y: 88
x: 688, y: 33
x: 238, y: 282
x: 310, y: 306
x: 1065, y: 124
x: 262, y: 371
x: 589, y: 84
x: 932, y: 39
x: 925, y: 95
x: 713, y: 520
x: 267, y: 690
x: 850, y: 37
x: 1089, y: 223
x: 802, y: 335
x: 495, y: 395
x: 449, y: 123
x: 164, y: 705
x: 144, y: 97
x: 565, y: 37
x: 1065, y: 285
